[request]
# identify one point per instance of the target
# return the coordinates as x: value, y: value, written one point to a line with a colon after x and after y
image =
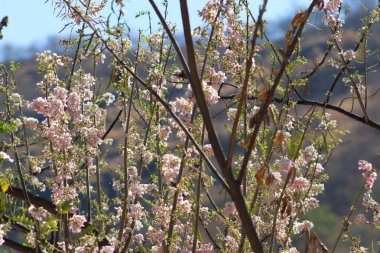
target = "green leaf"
x: 4, y: 183
x: 65, y: 206
x: 293, y: 144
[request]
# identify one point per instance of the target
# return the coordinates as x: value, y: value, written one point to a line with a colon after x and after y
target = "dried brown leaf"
x: 269, y: 180
x: 260, y: 175
x: 279, y: 138
x: 245, y: 143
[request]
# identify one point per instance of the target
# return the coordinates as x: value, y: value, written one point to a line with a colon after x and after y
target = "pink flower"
x: 60, y: 93
x: 285, y: 165
x: 318, y: 168
x: 205, y: 248
x: 310, y: 154
x: 2, y: 234
x: 107, y: 249
x: 299, y: 184
x: 39, y: 214
x: 77, y: 222
x: 370, y: 179
x: 184, y: 107
x: 360, y: 219
x: 156, y: 234
x: 216, y: 77
x: 349, y: 55
x: 139, y: 238
x: 305, y: 225
x: 364, y: 165
x: 39, y: 105
x: 231, y: 244
x: 209, y: 11
x: 333, y: 4
x: 185, y: 206
x: 369, y: 174
x: 230, y: 208
x: 211, y: 94
x: 31, y: 123
x: 170, y: 167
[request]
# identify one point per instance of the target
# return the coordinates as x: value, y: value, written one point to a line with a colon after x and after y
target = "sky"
x: 32, y: 22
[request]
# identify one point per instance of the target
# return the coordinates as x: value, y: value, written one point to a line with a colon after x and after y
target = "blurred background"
x: 35, y: 26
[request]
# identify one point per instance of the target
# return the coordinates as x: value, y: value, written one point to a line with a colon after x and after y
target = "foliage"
x: 175, y: 187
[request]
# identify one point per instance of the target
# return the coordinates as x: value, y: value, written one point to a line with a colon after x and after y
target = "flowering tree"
x: 152, y: 174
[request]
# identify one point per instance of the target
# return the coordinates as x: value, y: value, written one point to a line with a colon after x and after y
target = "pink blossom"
x: 56, y: 107
x: 61, y: 193
x: 88, y: 81
x: 170, y: 167
x: 107, y: 249
x: 139, y: 238
x: 204, y: 213
x: 59, y: 93
x: 285, y: 165
x: 299, y: 184
x: 2, y: 234
x: 360, y: 219
x: 211, y: 94
x: 364, y: 165
x: 369, y: 202
x: 49, y: 59
x: 231, y: 244
x: 136, y: 211
x: 39, y: 105
x: 185, y: 206
x: 205, y: 248
x: 291, y: 250
x: 74, y: 102
x: 31, y: 123
x: 77, y: 222
x: 207, y: 148
x: 209, y: 11
x: 305, y: 225
x: 318, y: 168
x: 155, y: 234
x: 370, y: 179
x: 349, y: 55
x: 333, y: 20
x: 333, y: 4
x: 184, y: 107
x: 92, y: 135
x: 310, y: 154
x: 230, y: 208
x: 39, y: 214
x: 216, y: 77
x: 81, y: 249
x: 165, y: 132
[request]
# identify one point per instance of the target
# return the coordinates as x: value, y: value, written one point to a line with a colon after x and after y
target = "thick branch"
x: 335, y: 108
x: 196, y: 85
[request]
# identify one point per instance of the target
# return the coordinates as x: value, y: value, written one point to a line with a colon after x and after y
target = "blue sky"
x: 33, y: 21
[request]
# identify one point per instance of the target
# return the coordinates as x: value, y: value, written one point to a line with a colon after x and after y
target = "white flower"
x: 5, y: 156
